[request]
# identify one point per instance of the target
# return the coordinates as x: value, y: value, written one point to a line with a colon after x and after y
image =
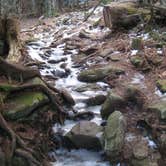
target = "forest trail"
x: 97, y: 66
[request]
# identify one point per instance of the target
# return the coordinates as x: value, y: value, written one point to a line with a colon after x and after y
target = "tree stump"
x: 10, y: 43
x: 121, y: 15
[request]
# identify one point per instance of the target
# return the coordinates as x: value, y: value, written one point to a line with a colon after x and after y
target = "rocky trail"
x: 106, y: 87
x: 118, y: 91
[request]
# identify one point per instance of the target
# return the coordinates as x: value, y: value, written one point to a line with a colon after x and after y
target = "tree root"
x: 25, y: 154
x: 10, y: 132
x: 52, y: 96
x: 16, y: 140
x: 17, y: 71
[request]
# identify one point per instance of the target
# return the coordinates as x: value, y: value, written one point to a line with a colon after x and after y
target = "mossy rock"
x: 23, y: 104
x: 137, y: 61
x: 135, y: 95
x: 112, y: 103
x: 157, y: 60
x: 114, y: 134
x: 96, y: 100
x: 94, y: 75
x: 161, y: 84
x: 144, y: 162
x: 140, y: 63
x: 159, y: 108
x: 88, y: 87
x: 137, y: 44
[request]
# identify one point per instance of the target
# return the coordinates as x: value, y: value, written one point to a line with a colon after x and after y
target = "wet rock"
x: 137, y: 44
x: 94, y: 75
x: 159, y: 108
x: 114, y: 134
x: 52, y: 61
x: 140, y: 62
x: 88, y: 87
x: 112, y: 103
x: 97, y: 100
x: 23, y: 104
x: 161, y: 84
x: 85, y: 135
x: 85, y: 115
x: 59, y: 73
x: 63, y: 65
x: 67, y: 97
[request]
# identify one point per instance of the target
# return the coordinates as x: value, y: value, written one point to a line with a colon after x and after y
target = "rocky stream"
x: 113, y: 119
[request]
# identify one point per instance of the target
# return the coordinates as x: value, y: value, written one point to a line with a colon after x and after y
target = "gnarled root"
x: 25, y: 152
x: 49, y: 93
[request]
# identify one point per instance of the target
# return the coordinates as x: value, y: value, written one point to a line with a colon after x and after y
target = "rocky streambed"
x: 118, y: 115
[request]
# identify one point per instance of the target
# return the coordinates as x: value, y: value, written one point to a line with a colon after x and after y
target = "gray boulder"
x: 85, y: 135
x: 114, y: 135
x: 112, y: 103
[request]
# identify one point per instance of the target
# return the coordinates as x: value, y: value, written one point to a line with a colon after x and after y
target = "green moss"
x: 144, y: 162
x: 161, y: 84
x: 112, y: 103
x: 137, y: 44
x: 114, y: 135
x: 159, y: 108
x: 137, y: 61
x: 6, y: 87
x: 93, y: 75
x: 23, y: 104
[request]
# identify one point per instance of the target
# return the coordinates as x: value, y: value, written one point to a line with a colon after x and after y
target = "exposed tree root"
x: 17, y: 71
x: 32, y: 161
x: 16, y: 140
x: 49, y: 93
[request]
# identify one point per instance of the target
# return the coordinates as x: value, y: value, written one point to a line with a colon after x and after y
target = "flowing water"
x: 42, y: 51
x: 36, y: 50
